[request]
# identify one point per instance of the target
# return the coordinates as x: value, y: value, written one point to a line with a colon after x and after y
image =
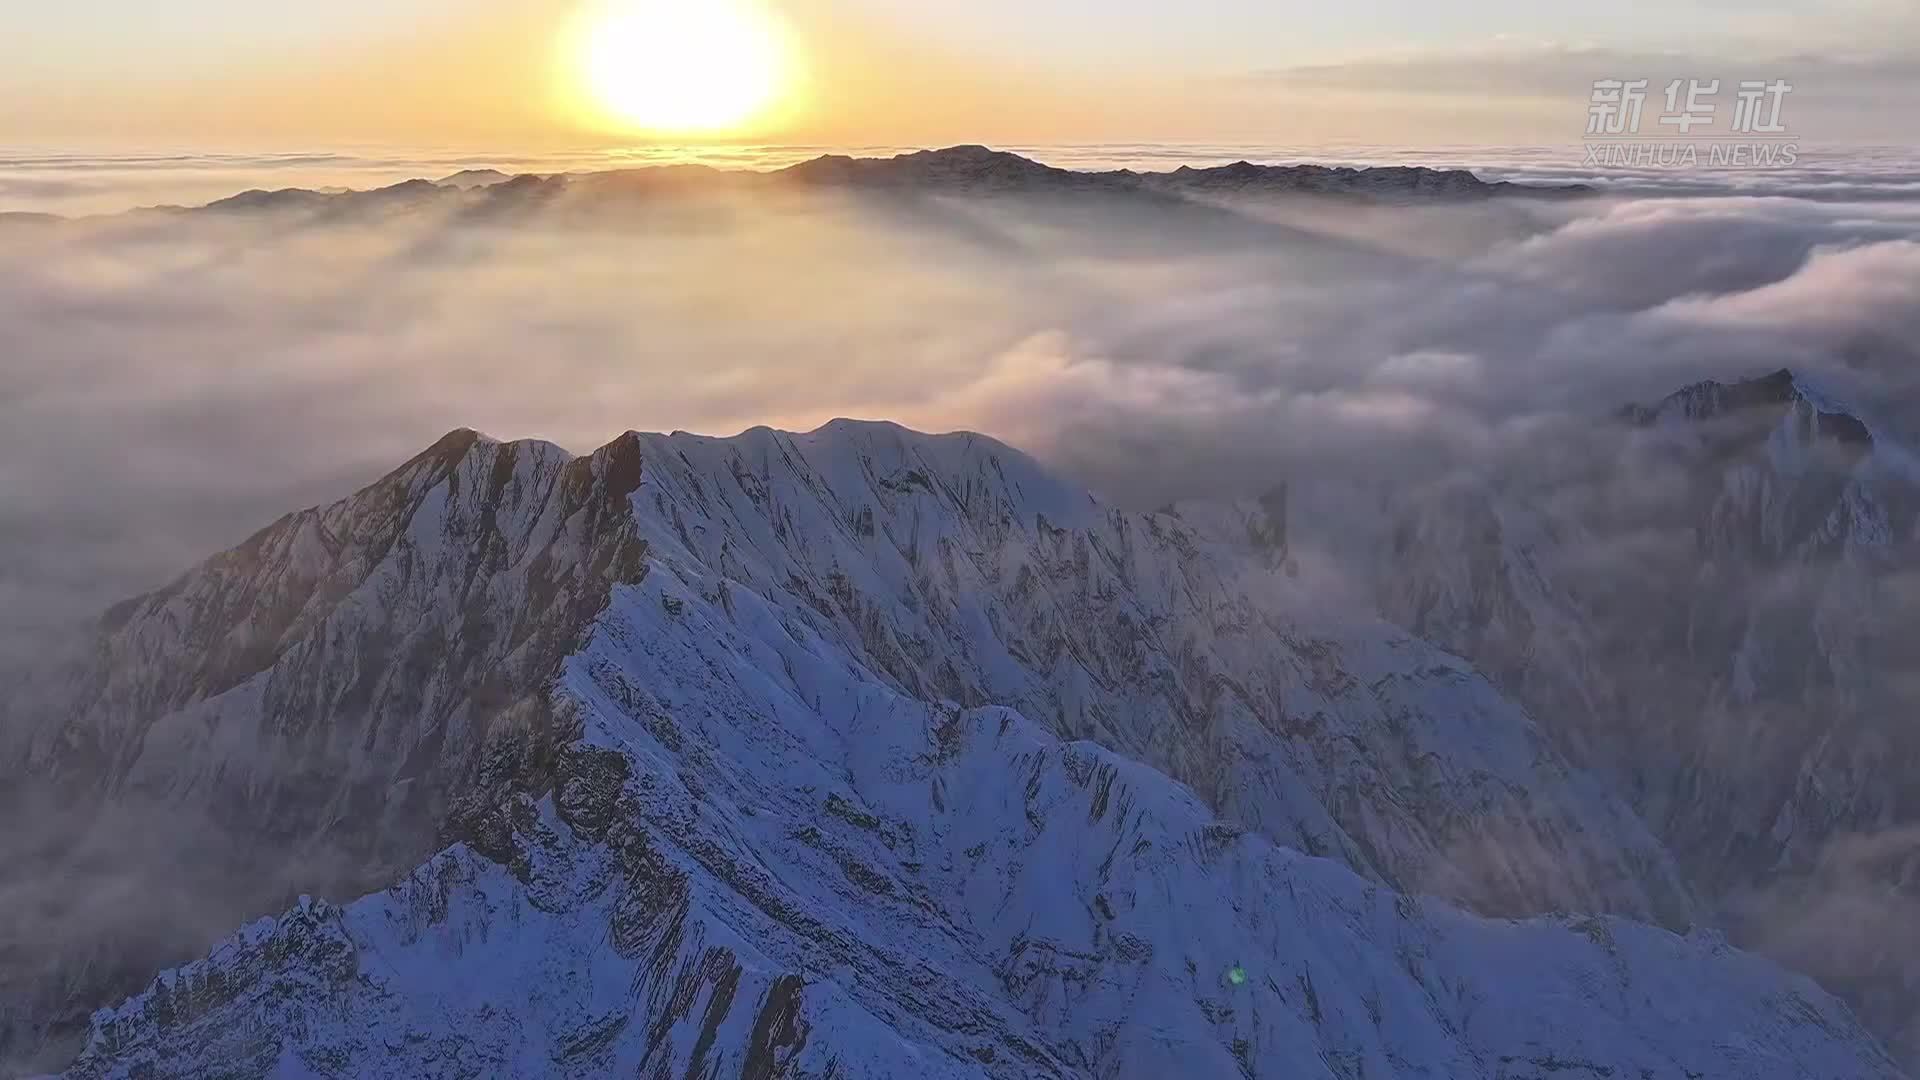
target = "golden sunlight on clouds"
x: 672, y: 68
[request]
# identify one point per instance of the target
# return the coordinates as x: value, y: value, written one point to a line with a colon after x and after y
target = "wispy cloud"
x: 1852, y: 95
x: 174, y: 381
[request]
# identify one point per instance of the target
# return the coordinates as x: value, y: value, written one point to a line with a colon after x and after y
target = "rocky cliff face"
x: 1734, y: 651
x: 311, y: 710
x: 852, y: 753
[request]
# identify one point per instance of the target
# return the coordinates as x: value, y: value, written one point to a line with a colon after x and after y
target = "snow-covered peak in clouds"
x: 861, y: 752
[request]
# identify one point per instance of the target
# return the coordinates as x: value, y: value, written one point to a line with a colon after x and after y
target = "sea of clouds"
x: 171, y: 382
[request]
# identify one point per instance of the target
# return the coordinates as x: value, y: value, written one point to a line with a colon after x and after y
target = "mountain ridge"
x: 964, y: 169
x: 838, y: 776
x: 1742, y: 679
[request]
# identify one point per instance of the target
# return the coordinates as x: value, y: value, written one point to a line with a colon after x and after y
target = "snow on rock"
x: 867, y: 753
x: 1722, y: 626
x: 956, y: 569
x: 891, y: 888
x: 311, y: 710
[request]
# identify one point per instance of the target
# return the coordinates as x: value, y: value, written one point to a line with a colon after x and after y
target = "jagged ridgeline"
x: 1745, y: 679
x: 856, y: 753
x: 482, y: 194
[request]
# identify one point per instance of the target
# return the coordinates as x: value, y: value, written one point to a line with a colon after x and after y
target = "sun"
x: 687, y: 67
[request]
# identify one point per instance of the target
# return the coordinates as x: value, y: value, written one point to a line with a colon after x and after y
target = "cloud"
x: 1841, y: 91
x: 1838, y: 290
x: 1851, y: 919
x: 174, y: 381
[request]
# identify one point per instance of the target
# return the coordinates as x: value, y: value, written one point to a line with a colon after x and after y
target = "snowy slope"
x: 846, y: 750
x: 304, y: 712
x: 1752, y: 598
x: 958, y: 569
x: 779, y: 866
x: 1738, y: 658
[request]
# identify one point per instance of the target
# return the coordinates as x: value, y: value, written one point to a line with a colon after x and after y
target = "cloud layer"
x: 174, y: 381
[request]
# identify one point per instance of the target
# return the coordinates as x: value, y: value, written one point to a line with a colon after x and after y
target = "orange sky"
x: 507, y: 78
x: 210, y: 72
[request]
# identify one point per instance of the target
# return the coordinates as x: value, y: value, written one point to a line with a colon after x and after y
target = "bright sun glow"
x: 682, y: 66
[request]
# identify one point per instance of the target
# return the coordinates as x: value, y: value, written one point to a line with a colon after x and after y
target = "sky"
x: 220, y: 73
x: 171, y: 382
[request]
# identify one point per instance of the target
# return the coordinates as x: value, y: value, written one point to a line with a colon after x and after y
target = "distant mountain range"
x: 965, y: 170
x: 977, y: 168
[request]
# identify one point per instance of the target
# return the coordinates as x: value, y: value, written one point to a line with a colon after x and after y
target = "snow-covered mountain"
x: 858, y: 752
x: 1723, y: 626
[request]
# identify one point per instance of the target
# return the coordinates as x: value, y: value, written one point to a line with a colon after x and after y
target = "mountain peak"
x: 723, y: 728
x: 467, y: 179
x: 971, y: 166
x: 1767, y: 398
x: 973, y: 151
